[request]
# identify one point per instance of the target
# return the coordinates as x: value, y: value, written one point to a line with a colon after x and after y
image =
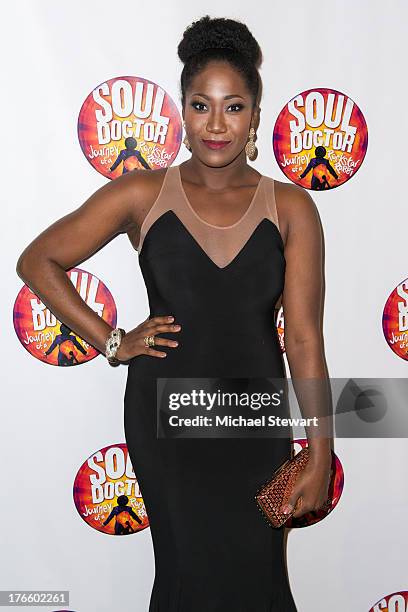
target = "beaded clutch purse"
x: 272, y: 495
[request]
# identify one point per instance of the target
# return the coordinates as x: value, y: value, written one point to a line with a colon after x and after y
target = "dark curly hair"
x: 220, y: 39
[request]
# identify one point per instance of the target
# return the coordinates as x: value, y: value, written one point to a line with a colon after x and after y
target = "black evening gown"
x: 214, y: 551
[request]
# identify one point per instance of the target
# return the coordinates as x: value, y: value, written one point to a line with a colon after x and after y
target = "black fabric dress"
x: 214, y: 552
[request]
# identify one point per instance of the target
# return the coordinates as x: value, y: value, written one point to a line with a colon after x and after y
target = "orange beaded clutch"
x: 275, y: 492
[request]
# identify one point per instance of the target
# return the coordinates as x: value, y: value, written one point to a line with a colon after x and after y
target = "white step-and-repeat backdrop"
x: 76, y: 77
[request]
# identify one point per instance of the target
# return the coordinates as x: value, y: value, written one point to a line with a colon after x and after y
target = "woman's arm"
x: 111, y: 210
x: 303, y: 302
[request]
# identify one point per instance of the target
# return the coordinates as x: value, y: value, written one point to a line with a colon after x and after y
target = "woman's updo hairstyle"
x: 220, y: 39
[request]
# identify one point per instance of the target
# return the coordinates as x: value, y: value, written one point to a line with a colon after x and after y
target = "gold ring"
x: 149, y: 341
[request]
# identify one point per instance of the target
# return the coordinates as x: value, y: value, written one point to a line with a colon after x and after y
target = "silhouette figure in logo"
x: 67, y: 345
x: 130, y: 156
x: 320, y: 166
x: 123, y: 512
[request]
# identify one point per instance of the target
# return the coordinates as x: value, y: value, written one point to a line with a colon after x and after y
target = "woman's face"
x: 218, y: 107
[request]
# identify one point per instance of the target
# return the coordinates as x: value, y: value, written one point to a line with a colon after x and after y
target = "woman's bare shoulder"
x: 294, y: 206
x: 146, y: 187
x: 291, y: 195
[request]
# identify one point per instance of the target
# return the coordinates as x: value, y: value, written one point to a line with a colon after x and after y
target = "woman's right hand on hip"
x: 133, y: 343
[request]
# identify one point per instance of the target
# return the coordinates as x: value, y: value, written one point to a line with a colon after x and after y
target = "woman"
x: 219, y: 246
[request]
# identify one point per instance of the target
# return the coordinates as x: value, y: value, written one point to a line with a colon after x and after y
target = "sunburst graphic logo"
x: 128, y: 123
x: 320, y: 139
x: 280, y: 328
x: 395, y: 320
x: 106, y: 492
x: 396, y: 602
x: 49, y: 340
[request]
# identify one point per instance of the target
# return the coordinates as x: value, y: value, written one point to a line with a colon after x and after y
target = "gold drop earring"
x: 185, y: 141
x: 250, y: 147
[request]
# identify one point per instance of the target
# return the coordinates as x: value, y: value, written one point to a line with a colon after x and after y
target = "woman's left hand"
x: 311, y: 486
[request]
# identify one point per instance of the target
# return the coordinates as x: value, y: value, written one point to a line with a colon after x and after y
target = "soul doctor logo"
x: 51, y: 341
x: 320, y: 139
x: 107, y: 495
x: 127, y: 123
x: 280, y: 328
x: 395, y: 320
x: 335, y: 490
x: 396, y: 602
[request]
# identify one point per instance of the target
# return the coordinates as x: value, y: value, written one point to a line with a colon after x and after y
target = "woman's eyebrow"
x: 225, y: 97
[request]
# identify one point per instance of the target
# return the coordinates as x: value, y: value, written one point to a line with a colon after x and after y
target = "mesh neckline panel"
x: 221, y: 244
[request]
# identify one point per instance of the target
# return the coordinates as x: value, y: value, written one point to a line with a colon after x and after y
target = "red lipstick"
x: 216, y: 144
